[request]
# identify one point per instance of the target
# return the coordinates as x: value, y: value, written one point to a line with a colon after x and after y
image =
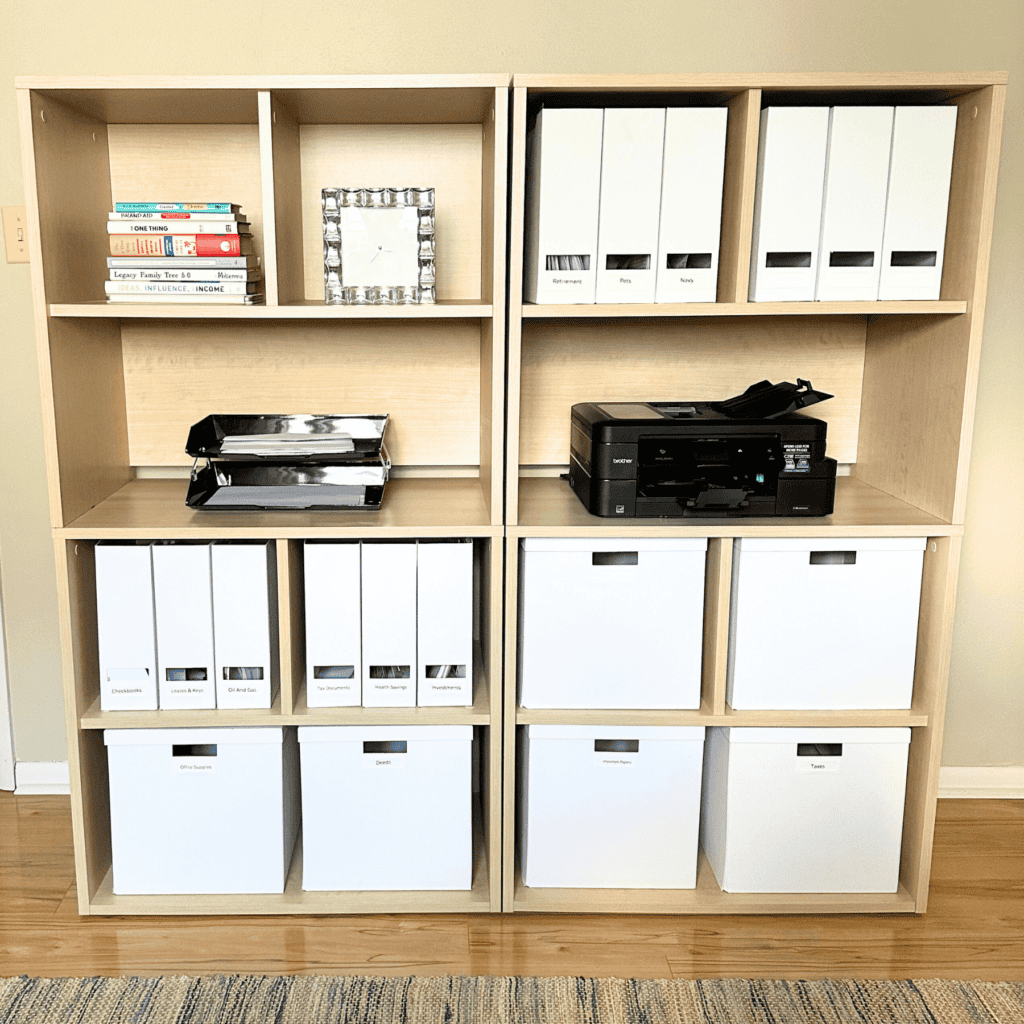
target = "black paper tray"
x: 206, y: 438
x: 246, y: 486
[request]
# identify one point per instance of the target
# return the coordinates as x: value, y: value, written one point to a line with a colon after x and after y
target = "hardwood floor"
x: 974, y: 927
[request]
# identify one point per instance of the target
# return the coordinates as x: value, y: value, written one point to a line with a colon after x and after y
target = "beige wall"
x: 986, y: 718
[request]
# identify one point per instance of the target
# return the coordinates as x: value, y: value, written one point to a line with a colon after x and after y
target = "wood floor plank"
x: 974, y: 927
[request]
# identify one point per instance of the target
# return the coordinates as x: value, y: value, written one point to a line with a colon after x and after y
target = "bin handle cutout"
x: 389, y: 671
x: 616, y: 746
x: 819, y: 750
x: 193, y: 750
x: 385, y: 746
x: 244, y: 672
x: 833, y: 558
x: 181, y: 675
x: 446, y: 671
x: 334, y: 671
x: 615, y: 558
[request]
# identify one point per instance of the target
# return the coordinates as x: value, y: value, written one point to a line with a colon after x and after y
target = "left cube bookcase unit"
x: 122, y: 383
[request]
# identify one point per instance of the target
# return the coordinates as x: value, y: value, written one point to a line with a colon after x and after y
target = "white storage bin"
x: 202, y: 810
x: 611, y: 623
x: 387, y: 807
x: 804, y: 810
x: 824, y: 624
x: 610, y: 807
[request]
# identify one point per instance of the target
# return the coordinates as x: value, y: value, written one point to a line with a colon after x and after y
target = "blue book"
x: 176, y: 207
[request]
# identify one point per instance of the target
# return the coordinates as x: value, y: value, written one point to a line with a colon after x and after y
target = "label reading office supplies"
x: 616, y: 753
x: 194, y: 758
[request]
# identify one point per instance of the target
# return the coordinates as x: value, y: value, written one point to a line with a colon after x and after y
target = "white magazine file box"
x: 184, y: 626
x: 387, y: 808
x: 563, y: 184
x: 334, y: 628
x: 245, y: 623
x: 444, y: 624
x: 920, y: 170
x: 827, y: 623
x: 389, y: 624
x: 611, y: 622
x: 610, y: 806
x: 126, y: 625
x: 627, y: 232
x: 690, y: 228
x: 804, y: 810
x: 853, y: 213
x: 787, y: 203
x: 202, y: 810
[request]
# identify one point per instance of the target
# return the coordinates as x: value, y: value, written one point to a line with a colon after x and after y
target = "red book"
x: 180, y: 245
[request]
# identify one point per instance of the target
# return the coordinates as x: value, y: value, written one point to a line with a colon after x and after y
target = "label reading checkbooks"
x: 616, y: 753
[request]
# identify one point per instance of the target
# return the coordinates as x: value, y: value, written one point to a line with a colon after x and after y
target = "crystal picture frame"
x: 378, y: 246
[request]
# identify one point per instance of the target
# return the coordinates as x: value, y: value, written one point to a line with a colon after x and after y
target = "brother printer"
x: 752, y: 455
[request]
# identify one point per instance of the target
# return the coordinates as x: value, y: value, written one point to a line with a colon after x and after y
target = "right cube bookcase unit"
x: 904, y: 376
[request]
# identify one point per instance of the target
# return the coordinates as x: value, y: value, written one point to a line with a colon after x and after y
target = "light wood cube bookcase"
x: 474, y: 384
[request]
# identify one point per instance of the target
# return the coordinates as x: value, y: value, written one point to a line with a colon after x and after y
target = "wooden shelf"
x: 706, y: 898
x: 695, y: 309
x: 306, y: 310
x: 296, y: 901
x: 413, y: 507
x: 547, y: 506
x: 777, y: 719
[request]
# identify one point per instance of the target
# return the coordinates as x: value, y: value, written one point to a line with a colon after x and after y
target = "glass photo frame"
x: 378, y: 246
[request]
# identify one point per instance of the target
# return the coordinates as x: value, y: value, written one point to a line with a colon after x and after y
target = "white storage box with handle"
x: 610, y: 807
x: 804, y: 810
x: 611, y: 622
x: 387, y: 807
x: 824, y: 624
x: 202, y: 810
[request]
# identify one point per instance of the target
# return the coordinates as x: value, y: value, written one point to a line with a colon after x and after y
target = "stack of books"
x: 181, y: 252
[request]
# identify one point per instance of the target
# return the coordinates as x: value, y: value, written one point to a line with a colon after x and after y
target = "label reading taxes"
x: 818, y: 765
x: 614, y: 759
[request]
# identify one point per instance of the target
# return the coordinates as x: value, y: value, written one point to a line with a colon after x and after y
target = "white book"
x: 184, y: 262
x: 563, y: 182
x: 787, y: 203
x: 444, y: 624
x: 627, y: 233
x: 166, y: 216
x: 690, y: 229
x: 918, y: 202
x: 126, y: 627
x: 248, y: 300
x: 179, y: 288
x: 334, y: 666
x: 245, y: 623
x: 212, y: 274
x: 178, y: 227
x: 184, y: 626
x: 853, y: 211
x: 389, y: 625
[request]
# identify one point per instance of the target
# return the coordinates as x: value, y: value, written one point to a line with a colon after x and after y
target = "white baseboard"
x: 35, y: 778
x: 1005, y: 782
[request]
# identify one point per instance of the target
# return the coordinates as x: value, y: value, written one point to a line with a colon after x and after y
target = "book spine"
x: 158, y: 207
x: 185, y: 262
x: 175, y: 245
x: 177, y: 287
x: 207, y: 274
x: 185, y: 215
x: 247, y: 300
x: 195, y: 227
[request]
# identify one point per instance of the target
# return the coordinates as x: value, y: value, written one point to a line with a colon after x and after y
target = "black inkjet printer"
x: 752, y: 455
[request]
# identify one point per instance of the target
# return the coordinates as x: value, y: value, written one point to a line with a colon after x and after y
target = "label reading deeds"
x: 384, y: 762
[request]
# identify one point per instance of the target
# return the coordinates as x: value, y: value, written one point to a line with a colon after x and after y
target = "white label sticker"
x: 614, y: 759
x: 384, y: 761
x: 818, y: 764
x: 194, y: 765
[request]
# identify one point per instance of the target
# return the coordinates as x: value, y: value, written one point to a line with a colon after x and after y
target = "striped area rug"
x: 240, y: 999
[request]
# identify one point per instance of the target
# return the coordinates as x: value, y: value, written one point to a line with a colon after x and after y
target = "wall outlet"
x: 15, y: 234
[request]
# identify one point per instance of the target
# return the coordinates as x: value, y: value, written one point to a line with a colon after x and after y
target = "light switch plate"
x: 15, y: 234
